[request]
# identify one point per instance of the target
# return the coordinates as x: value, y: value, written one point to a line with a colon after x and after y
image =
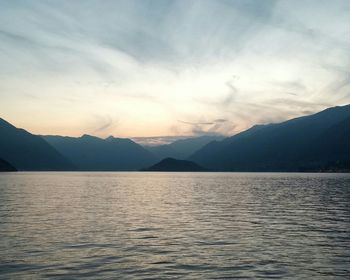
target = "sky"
x: 170, y: 68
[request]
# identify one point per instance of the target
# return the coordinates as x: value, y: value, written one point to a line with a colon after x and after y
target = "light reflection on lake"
x: 174, y: 225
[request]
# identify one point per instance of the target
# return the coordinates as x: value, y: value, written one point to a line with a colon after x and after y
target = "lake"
x: 134, y: 225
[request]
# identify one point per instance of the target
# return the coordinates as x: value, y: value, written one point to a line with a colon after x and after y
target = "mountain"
x: 29, y: 152
x: 183, y: 148
x: 171, y: 164
x: 91, y: 153
x: 6, y: 167
x: 318, y: 142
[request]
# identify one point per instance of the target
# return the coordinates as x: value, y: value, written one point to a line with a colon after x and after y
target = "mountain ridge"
x: 91, y: 153
x: 182, y: 148
x: 277, y: 147
x: 317, y: 142
x: 29, y: 152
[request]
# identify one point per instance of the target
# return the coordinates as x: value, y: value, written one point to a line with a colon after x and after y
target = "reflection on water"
x: 169, y: 225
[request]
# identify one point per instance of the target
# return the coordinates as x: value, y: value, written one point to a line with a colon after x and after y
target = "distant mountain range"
x: 318, y: 142
x: 183, y: 148
x: 175, y: 165
x: 91, y: 153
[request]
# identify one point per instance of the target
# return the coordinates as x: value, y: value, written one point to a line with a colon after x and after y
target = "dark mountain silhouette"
x: 91, y: 153
x: 29, y: 152
x: 318, y: 142
x: 183, y: 148
x: 171, y: 164
x: 6, y: 167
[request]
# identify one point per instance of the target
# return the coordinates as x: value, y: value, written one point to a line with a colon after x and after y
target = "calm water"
x: 174, y: 225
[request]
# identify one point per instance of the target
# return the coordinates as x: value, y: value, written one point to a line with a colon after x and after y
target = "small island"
x: 175, y: 165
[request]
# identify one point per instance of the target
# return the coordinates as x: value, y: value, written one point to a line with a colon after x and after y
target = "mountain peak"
x: 4, y: 123
x: 29, y: 152
x: 119, y: 140
x: 90, y: 137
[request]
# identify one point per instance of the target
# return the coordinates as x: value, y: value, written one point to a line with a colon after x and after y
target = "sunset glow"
x: 169, y: 68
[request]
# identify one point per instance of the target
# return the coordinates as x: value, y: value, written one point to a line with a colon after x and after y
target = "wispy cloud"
x: 213, y: 127
x: 102, y: 125
x: 148, y: 64
x: 197, y: 123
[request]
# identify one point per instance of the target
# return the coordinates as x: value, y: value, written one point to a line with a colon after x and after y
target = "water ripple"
x: 174, y: 225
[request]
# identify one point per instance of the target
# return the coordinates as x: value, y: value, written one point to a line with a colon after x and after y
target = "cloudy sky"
x: 167, y: 68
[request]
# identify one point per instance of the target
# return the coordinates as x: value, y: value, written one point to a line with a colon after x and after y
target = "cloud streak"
x: 164, y: 67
